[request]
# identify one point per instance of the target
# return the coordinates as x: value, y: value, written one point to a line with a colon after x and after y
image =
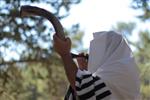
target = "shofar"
x: 32, y: 10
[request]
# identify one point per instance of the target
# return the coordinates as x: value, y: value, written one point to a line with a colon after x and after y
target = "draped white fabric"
x: 112, y: 60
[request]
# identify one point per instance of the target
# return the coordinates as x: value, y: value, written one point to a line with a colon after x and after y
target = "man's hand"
x: 62, y: 47
x: 82, y: 62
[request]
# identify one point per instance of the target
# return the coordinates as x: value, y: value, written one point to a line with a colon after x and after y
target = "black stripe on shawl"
x: 103, y: 95
x: 87, y: 95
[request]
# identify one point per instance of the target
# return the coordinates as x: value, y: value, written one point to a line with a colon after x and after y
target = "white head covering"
x: 112, y: 60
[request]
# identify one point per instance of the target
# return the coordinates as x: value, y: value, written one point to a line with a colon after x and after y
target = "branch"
x: 24, y: 61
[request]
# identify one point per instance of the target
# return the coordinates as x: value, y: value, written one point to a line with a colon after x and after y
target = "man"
x: 111, y: 73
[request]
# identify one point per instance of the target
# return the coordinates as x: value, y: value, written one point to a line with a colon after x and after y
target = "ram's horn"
x: 32, y: 10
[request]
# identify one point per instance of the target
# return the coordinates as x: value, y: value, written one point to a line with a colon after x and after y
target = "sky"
x: 98, y: 15
x: 101, y: 15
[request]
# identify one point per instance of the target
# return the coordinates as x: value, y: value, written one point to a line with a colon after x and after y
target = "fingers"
x: 81, y: 58
x: 68, y: 41
x: 82, y: 62
x: 82, y: 53
x: 56, y: 38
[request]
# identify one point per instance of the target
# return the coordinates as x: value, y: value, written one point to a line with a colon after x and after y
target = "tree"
x: 141, y: 52
x: 125, y: 29
x: 29, y: 34
x: 29, y: 69
x: 143, y: 47
x: 143, y: 5
x: 142, y: 57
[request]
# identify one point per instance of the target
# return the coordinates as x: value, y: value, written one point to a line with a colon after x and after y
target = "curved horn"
x: 32, y: 10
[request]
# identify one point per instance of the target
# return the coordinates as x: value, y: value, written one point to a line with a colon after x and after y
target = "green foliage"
x: 40, y: 82
x: 142, y: 56
x: 143, y: 48
x: 141, y: 52
x: 124, y: 28
x: 143, y: 5
x: 145, y: 92
x: 29, y: 69
x: 29, y: 34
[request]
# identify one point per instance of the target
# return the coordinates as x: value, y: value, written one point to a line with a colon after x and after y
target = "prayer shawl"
x: 112, y: 73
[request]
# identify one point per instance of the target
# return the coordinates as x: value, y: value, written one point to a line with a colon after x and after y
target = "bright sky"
x: 101, y: 15
x: 98, y: 15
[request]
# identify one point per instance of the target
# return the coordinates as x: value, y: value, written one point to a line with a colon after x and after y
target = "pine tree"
x: 29, y: 67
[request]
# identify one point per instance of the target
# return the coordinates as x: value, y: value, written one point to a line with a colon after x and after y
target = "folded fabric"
x: 112, y: 60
